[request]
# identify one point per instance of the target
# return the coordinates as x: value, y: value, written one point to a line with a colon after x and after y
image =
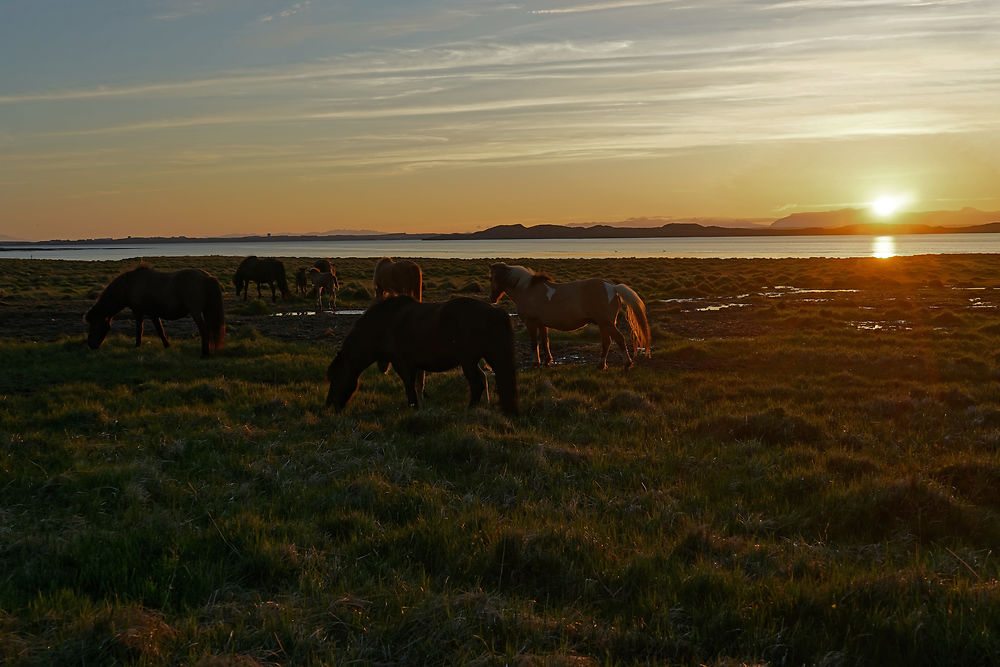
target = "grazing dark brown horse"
x: 542, y: 303
x: 402, y: 277
x: 420, y: 337
x: 267, y: 270
x: 154, y: 294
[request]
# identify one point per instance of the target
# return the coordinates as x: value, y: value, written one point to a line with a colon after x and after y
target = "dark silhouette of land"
x: 692, y: 230
x: 841, y: 222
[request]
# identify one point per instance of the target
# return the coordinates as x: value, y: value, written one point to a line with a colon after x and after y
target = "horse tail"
x: 282, y: 276
x: 635, y: 312
x: 418, y: 277
x: 503, y: 361
x: 377, y: 285
x: 215, y: 316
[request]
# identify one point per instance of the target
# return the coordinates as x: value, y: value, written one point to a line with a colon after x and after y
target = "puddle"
x: 722, y: 306
x: 786, y: 290
x: 297, y: 313
x: 775, y: 292
x: 872, y: 325
x: 976, y: 302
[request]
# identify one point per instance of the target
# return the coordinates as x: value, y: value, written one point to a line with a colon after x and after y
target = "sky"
x: 217, y: 117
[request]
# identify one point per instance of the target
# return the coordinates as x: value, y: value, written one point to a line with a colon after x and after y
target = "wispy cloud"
x: 182, y: 9
x: 285, y: 13
x: 852, y: 4
x: 602, y: 6
x: 568, y: 99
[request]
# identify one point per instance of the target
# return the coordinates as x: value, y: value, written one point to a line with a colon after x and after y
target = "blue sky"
x: 221, y: 116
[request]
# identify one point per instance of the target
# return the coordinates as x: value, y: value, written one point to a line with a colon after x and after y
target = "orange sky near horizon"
x: 205, y: 119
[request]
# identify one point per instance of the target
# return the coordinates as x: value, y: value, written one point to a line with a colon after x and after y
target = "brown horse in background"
x: 426, y: 337
x: 326, y: 266
x: 154, y: 294
x: 324, y: 281
x: 267, y: 270
x: 542, y: 303
x: 402, y: 277
x: 301, y: 280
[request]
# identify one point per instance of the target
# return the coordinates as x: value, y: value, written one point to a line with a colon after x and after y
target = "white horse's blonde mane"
x: 521, y: 277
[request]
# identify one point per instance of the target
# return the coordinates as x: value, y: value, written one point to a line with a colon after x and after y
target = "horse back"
x: 172, y: 295
x: 570, y: 305
x: 432, y: 336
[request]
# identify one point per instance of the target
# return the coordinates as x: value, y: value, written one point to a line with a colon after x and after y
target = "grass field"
x: 807, y: 471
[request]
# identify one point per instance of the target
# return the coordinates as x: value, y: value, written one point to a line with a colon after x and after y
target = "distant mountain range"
x: 692, y: 229
x: 659, y: 221
x: 967, y: 217
x: 845, y: 221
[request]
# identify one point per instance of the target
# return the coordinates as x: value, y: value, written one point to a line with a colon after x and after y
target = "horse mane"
x: 522, y: 276
x: 540, y: 277
x: 141, y: 266
x: 126, y: 273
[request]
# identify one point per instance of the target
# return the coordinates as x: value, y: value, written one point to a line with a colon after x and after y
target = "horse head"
x: 343, y: 379
x: 362, y: 347
x: 498, y: 281
x: 282, y: 280
x: 98, y: 326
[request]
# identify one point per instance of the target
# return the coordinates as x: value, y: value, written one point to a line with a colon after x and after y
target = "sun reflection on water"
x: 884, y: 247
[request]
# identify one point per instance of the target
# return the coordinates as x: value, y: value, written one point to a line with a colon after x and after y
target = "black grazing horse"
x: 417, y: 337
x: 154, y: 294
x: 267, y: 270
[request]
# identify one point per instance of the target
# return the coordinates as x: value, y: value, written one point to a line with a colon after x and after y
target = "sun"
x: 886, y: 206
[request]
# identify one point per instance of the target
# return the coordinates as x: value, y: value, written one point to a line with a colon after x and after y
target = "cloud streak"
x: 603, y: 6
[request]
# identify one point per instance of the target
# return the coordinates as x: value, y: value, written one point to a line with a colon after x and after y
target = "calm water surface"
x: 724, y: 247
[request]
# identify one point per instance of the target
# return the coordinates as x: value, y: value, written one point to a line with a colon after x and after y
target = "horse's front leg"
x: 418, y: 384
x: 158, y: 325
x: 543, y: 335
x: 138, y: 327
x: 477, y: 382
x: 533, y: 337
x: 409, y: 375
x: 274, y: 296
x: 258, y: 290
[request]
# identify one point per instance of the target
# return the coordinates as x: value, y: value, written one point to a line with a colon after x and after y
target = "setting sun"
x: 887, y: 205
